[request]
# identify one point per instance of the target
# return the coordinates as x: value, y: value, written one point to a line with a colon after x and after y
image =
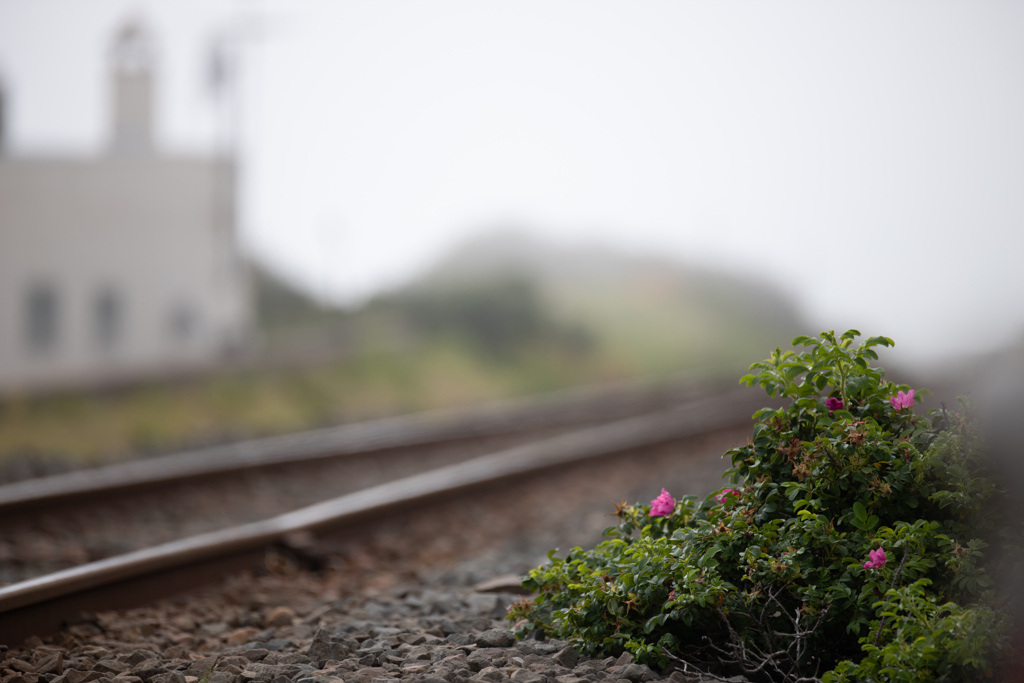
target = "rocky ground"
x: 295, y: 627
x: 395, y: 601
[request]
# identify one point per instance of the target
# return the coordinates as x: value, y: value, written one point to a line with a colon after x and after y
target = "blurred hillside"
x: 503, y: 316
x: 643, y: 315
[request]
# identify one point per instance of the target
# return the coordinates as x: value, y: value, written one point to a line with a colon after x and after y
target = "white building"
x: 120, y: 266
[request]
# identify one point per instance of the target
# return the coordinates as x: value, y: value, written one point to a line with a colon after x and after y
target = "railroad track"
x: 59, y: 522
x: 617, y: 430
x: 516, y: 416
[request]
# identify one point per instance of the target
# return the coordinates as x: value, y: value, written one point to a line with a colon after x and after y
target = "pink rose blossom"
x: 876, y: 559
x: 902, y: 400
x: 662, y: 505
x: 833, y: 403
x: 721, y: 497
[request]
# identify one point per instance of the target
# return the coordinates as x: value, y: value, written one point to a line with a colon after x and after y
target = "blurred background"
x: 228, y: 219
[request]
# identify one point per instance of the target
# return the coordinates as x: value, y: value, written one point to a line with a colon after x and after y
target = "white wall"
x: 156, y: 231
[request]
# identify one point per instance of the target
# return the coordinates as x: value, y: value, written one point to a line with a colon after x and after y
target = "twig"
x: 892, y: 585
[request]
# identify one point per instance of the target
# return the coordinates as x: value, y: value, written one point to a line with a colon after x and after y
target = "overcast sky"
x: 867, y: 156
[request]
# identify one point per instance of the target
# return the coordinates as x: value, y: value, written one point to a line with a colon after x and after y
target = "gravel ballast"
x: 393, y: 601
x: 293, y: 628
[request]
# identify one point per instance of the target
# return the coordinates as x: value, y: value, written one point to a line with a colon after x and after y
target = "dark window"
x: 41, y: 312
x: 182, y: 321
x: 108, y: 316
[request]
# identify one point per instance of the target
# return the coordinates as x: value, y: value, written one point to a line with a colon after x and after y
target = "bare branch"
x: 899, y: 570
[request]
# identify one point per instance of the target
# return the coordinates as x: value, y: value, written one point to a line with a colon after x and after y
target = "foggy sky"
x: 868, y: 156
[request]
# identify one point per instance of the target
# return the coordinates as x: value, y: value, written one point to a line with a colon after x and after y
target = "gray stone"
x: 526, y: 676
x: 475, y: 624
x: 445, y: 624
x: 238, y: 661
x: 488, y: 656
x: 485, y: 605
x: 491, y: 674
x: 636, y: 673
x: 51, y: 664
x: 274, y: 644
x: 139, y: 656
x: 418, y: 652
x: 384, y: 631
x: 589, y: 666
x: 169, y: 677
x: 567, y: 657
x: 412, y: 638
x: 538, y: 662
x: 76, y: 676
x: 415, y: 666
x: 548, y: 647
x: 201, y: 666
x: 149, y: 673
x: 262, y: 672
x: 450, y: 666
x: 214, y: 629
x: 20, y: 665
x: 110, y: 666
x: 294, y: 658
x: 366, y: 675
x: 624, y: 658
x: 326, y: 647
x: 680, y: 677
x: 495, y: 637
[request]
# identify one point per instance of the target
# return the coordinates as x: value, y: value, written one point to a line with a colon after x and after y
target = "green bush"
x: 851, y: 545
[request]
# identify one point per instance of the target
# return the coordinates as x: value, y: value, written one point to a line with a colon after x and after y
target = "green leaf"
x: 860, y: 511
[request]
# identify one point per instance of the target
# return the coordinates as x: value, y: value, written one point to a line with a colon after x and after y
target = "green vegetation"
x: 367, y: 384
x: 504, y: 317
x: 856, y: 543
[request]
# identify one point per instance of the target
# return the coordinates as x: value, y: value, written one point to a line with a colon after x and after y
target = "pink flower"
x: 876, y: 559
x: 662, y: 505
x: 833, y: 403
x: 902, y: 400
x: 721, y: 497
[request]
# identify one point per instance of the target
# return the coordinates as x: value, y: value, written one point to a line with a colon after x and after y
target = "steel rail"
x: 42, y: 604
x: 565, y: 408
